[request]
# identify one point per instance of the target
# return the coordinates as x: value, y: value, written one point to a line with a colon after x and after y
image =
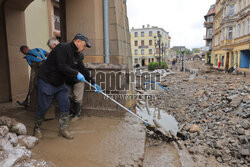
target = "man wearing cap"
x: 51, y: 82
x: 75, y: 87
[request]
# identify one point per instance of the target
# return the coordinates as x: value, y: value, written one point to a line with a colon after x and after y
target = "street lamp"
x: 182, y: 51
x: 158, y: 43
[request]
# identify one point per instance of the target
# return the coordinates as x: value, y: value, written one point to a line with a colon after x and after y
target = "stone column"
x: 5, y: 89
x: 16, y: 36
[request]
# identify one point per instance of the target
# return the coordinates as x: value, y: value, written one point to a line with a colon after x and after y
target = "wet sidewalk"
x: 99, y: 141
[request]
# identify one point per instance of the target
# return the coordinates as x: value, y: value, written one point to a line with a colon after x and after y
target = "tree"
x: 195, y: 50
x: 188, y: 52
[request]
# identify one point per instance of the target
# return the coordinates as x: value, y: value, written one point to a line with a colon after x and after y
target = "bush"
x: 155, y: 65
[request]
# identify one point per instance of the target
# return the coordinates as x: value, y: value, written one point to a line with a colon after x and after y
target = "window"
x: 244, y: 3
x: 248, y: 26
x: 149, y: 60
x: 152, y: 59
x: 157, y: 50
x: 150, y: 42
x: 215, y: 59
x: 142, y: 52
x: 57, y: 18
x: 238, y: 33
x: 142, y: 42
x: 150, y: 51
x: 231, y: 10
x: 136, y: 60
x: 209, y: 33
x: 136, y: 34
x: 224, y: 12
x: 222, y: 35
x: 243, y: 28
x: 136, y: 43
x: 150, y: 33
x: 136, y: 51
x: 230, y: 32
x: 232, y: 58
x: 142, y: 34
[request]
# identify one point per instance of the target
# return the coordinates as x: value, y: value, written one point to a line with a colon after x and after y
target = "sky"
x: 183, y: 19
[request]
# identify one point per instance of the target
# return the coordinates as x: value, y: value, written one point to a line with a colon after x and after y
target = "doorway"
x: 143, y: 62
x: 227, y: 61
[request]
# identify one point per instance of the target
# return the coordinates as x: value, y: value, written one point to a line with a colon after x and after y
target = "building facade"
x: 145, y: 45
x: 231, y: 35
x: 208, y: 24
x: 33, y: 22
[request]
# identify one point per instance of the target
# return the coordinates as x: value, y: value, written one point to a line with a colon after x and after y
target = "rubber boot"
x: 63, y: 121
x: 37, y: 132
x: 72, y: 109
x: 77, y: 111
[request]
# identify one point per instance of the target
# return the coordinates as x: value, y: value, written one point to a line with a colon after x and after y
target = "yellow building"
x: 145, y: 45
x: 231, y: 35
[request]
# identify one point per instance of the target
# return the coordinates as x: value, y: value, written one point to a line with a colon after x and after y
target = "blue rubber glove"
x: 98, y: 89
x: 80, y: 77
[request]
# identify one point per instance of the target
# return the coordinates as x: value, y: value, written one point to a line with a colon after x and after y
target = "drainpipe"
x: 106, y: 30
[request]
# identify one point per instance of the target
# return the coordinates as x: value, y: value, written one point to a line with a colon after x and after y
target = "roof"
x: 211, y: 10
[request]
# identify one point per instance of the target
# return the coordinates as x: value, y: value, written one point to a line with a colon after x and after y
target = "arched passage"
x: 85, y: 16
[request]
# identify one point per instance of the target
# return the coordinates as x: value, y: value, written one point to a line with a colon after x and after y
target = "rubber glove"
x: 80, y: 77
x: 98, y: 89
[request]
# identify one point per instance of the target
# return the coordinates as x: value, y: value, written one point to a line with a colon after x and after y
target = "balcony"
x: 208, y: 24
x: 207, y: 37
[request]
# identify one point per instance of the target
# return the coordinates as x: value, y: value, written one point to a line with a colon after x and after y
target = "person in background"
x: 52, y: 42
x: 34, y: 57
x: 219, y: 64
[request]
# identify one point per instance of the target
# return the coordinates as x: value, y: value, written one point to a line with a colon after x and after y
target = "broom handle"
x: 107, y: 96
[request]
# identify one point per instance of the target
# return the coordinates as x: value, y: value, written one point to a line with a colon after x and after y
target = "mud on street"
x: 211, y: 110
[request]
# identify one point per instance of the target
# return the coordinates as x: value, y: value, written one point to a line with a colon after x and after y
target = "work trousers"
x: 76, y: 91
x: 46, y: 92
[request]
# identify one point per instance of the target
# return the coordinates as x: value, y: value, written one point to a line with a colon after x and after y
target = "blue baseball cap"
x: 82, y: 37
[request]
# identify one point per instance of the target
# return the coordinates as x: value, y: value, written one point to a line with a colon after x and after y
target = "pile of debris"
x: 15, y: 145
x: 215, y: 113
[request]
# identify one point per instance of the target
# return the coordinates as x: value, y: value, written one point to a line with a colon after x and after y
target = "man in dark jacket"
x: 75, y: 87
x: 51, y: 82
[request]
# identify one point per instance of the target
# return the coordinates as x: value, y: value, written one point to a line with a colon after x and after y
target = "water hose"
x: 156, y: 83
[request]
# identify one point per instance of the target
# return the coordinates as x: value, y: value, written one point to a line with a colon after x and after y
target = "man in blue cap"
x: 51, y: 82
x: 34, y: 58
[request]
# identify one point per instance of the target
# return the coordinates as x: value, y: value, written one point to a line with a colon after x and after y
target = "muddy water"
x: 78, y: 152
x: 98, y: 141
x: 168, y: 122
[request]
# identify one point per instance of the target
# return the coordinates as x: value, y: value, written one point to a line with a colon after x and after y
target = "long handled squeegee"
x: 161, y: 134
x: 107, y: 96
